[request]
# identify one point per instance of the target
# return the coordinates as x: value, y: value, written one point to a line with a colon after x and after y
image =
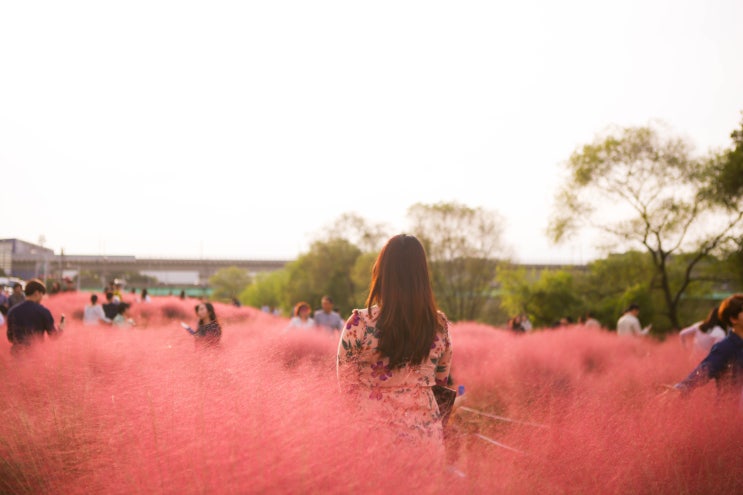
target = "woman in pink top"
x: 392, y: 352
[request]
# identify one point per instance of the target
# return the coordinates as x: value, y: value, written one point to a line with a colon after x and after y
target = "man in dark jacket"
x: 110, y: 307
x: 29, y: 320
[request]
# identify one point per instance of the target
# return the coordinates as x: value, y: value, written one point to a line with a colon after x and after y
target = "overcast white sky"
x: 239, y: 129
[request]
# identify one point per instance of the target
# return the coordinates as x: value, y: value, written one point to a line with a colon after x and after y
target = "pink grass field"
x: 141, y: 410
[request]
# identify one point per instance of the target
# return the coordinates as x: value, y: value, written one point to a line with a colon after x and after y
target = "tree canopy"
x: 463, y: 245
x: 642, y: 188
x: 228, y: 283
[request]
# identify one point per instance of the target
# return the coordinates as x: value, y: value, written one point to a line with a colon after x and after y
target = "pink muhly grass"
x: 142, y: 410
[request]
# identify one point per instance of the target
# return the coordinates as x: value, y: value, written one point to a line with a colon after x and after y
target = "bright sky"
x: 240, y: 129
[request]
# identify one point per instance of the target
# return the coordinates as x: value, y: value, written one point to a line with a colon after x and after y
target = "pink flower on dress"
x: 381, y: 371
x: 435, y: 340
x: 354, y: 320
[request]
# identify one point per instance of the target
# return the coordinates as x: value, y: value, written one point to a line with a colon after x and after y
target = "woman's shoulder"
x: 360, y: 316
x: 443, y: 322
x: 365, y: 313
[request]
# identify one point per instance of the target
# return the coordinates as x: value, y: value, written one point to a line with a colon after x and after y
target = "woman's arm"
x: 349, y: 347
x: 688, y: 333
x: 711, y: 367
x: 443, y: 366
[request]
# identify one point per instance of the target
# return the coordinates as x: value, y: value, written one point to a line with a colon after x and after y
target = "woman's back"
x: 399, y: 396
x: 93, y: 314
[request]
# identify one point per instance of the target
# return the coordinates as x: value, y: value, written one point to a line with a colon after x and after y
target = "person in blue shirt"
x: 724, y: 362
x: 327, y: 317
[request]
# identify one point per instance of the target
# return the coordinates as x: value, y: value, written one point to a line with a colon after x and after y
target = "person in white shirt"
x: 704, y: 334
x: 122, y: 319
x: 93, y: 313
x: 525, y: 323
x: 590, y: 321
x: 301, y: 317
x: 629, y: 323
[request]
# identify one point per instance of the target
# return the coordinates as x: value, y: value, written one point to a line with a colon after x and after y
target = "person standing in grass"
x: 393, y: 351
x: 93, y: 313
x: 208, y: 331
x: 17, y: 296
x: 704, y: 334
x: 28, y: 321
x: 110, y: 307
x: 724, y: 362
x: 301, y: 318
x: 4, y: 301
x: 122, y: 319
x: 629, y: 322
x: 326, y: 317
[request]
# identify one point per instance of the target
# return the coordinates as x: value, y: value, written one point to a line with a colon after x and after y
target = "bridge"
x: 169, y: 271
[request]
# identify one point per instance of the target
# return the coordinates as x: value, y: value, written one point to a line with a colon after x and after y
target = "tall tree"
x: 366, y: 235
x: 726, y: 185
x: 324, y: 270
x: 727, y: 180
x: 268, y: 289
x: 642, y: 188
x: 462, y: 244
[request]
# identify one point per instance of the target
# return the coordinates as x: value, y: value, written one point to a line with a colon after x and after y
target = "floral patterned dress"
x: 401, y: 398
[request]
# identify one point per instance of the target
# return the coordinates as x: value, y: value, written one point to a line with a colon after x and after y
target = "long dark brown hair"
x: 209, y: 310
x: 401, y: 288
x: 712, y: 320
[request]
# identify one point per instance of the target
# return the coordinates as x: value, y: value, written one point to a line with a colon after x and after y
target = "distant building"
x: 16, y: 249
x: 26, y: 260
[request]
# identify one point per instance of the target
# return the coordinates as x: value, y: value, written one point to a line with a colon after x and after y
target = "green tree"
x: 515, y: 287
x: 462, y: 245
x: 643, y: 189
x: 612, y: 283
x: 367, y: 236
x: 325, y: 269
x: 552, y: 296
x: 361, y: 277
x: 268, y: 289
x: 726, y: 185
x: 726, y: 181
x: 228, y: 283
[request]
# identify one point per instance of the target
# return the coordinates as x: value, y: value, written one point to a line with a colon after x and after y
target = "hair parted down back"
x: 408, y: 318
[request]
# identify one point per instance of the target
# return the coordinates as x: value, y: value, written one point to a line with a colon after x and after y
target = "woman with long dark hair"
x: 209, y: 331
x: 704, y: 334
x: 392, y: 352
